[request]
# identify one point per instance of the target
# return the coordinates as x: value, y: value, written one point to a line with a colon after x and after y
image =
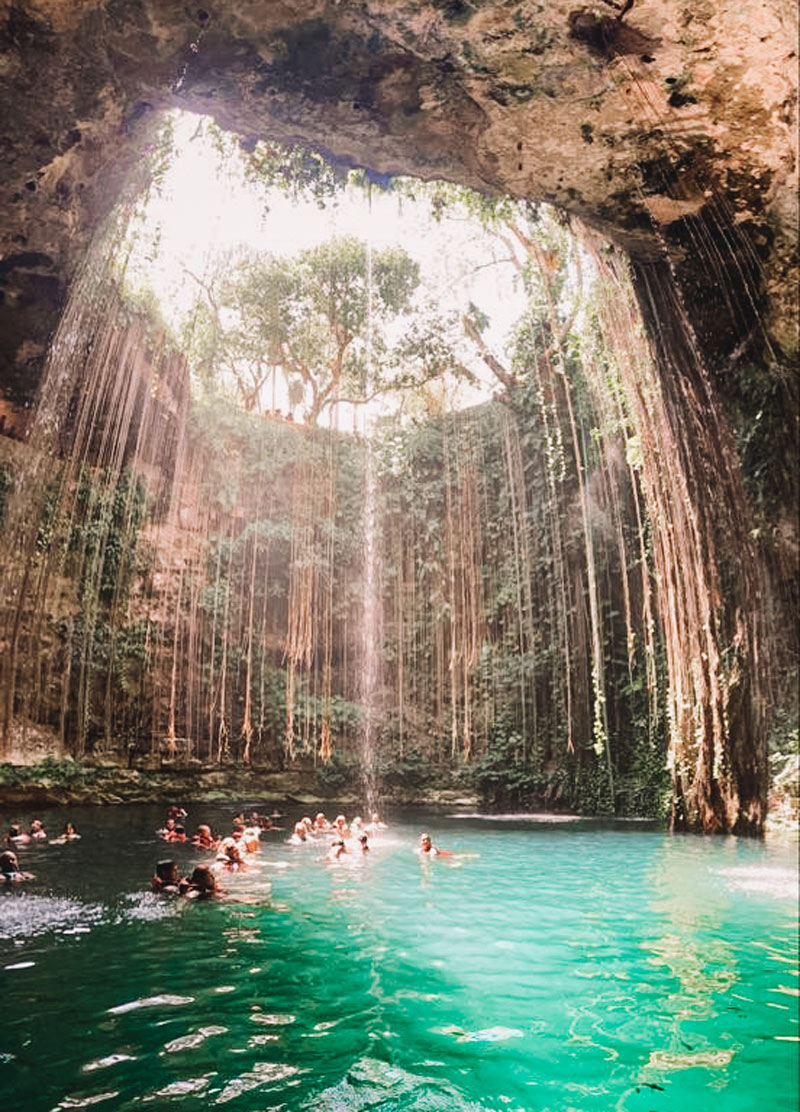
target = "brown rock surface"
x: 664, y: 124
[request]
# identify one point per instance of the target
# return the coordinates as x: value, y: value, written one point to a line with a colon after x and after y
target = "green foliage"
x: 340, y: 774
x: 326, y: 320
x: 103, y: 528
x: 588, y: 789
x: 299, y: 171
x: 501, y: 776
x: 52, y: 773
x: 766, y: 425
x: 446, y: 199
x: 412, y: 772
x: 784, y: 765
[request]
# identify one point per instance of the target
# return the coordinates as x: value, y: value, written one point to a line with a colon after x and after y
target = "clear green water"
x: 568, y: 966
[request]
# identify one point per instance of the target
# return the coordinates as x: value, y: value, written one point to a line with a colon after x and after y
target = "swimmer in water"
x: 203, y: 838
x: 37, y: 831
x: 251, y: 838
x: 336, y: 852
x: 166, y: 880
x: 299, y: 835
x: 201, y: 885
x: 364, y: 840
x: 68, y: 834
x: 231, y: 858
x: 375, y: 824
x: 10, y: 872
x: 16, y: 836
x: 340, y: 826
x: 426, y: 848
x: 321, y: 824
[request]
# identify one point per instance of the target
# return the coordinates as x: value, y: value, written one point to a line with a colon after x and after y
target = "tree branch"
x: 508, y: 379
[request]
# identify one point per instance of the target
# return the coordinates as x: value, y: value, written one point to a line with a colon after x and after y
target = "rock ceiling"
x: 665, y: 124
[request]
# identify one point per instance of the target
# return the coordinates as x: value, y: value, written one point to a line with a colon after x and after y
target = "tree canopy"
x: 338, y: 322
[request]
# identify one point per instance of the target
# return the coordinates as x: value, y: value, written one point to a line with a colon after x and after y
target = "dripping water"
x: 372, y: 606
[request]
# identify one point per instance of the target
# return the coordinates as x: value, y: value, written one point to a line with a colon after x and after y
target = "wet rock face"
x: 665, y: 124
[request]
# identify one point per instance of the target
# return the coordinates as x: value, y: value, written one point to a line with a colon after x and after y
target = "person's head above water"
x: 203, y: 879
x: 167, y: 872
x: 9, y: 863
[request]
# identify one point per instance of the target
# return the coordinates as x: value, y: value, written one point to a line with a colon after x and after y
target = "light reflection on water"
x: 546, y: 966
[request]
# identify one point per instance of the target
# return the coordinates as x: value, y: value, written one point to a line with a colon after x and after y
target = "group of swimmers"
x: 357, y: 834
x: 234, y: 852
x: 10, y: 871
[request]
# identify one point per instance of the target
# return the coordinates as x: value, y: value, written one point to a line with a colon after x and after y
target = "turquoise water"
x: 564, y: 965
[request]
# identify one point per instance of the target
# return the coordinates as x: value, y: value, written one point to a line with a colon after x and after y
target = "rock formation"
x: 666, y: 124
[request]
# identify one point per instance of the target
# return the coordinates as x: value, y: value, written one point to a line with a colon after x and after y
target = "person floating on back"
x: 17, y: 836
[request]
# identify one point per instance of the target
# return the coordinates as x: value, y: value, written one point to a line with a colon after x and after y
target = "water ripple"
x: 33, y: 915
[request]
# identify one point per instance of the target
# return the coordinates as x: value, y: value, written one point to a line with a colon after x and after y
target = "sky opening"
x: 204, y: 212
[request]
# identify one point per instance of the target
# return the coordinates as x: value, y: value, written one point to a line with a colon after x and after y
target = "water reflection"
x: 695, y: 956
x: 25, y: 915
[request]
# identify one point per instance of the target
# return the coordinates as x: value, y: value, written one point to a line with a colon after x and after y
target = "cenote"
x: 548, y: 965
x: 399, y: 405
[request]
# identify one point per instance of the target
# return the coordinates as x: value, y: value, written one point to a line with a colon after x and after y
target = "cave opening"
x: 249, y: 352
x: 347, y: 455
